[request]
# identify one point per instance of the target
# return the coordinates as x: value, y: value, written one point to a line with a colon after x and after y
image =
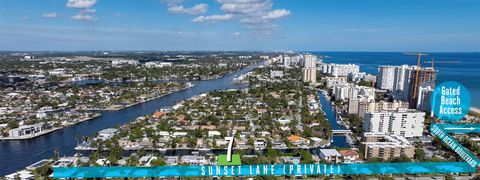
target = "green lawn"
x: 222, y: 160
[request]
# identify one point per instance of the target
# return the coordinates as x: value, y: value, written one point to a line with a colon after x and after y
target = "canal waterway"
x: 16, y: 155
x: 339, y: 141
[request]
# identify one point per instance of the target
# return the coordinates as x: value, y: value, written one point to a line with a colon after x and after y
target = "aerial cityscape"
x: 239, y: 89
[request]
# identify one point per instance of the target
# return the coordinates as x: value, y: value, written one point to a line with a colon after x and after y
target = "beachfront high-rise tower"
x: 309, y: 71
x: 426, y: 77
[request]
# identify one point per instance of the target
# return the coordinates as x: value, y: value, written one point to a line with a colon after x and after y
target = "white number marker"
x: 229, y: 148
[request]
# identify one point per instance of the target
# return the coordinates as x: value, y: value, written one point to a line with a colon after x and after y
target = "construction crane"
x: 441, y: 62
x: 432, y: 62
x: 419, y: 59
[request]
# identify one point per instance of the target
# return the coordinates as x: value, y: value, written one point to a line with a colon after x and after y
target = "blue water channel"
x: 16, y: 155
x: 339, y: 141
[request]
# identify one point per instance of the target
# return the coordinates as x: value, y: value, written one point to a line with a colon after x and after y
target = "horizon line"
x: 263, y: 51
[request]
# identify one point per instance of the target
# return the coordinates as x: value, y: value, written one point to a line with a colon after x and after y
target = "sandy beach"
x: 475, y: 110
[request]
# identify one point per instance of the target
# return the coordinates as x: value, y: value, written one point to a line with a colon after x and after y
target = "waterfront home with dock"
x: 27, y: 130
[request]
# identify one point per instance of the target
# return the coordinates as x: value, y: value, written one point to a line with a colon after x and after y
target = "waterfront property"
x: 27, y: 130
x: 66, y: 138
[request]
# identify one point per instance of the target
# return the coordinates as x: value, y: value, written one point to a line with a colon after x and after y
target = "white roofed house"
x: 221, y: 142
x: 242, y: 143
x: 163, y: 133
x: 330, y: 155
x: 163, y: 143
x: 284, y: 120
x: 193, y: 160
x: 260, y: 143
x: 23, y: 175
x: 127, y: 144
x: 106, y: 133
x: 214, y: 133
x: 279, y: 144
x: 64, y: 162
x: 145, y: 159
x: 171, y: 160
x: 27, y: 130
x: 179, y: 134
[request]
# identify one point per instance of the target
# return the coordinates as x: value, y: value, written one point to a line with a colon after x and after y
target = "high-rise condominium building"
x: 395, y: 79
x: 403, y: 122
x: 310, y: 61
x: 362, y: 105
x: 340, y: 69
x: 309, y: 68
x: 286, y: 61
x: 386, y: 76
x: 426, y: 77
x: 423, y: 98
x: 401, y: 81
x: 309, y: 75
x: 379, y: 145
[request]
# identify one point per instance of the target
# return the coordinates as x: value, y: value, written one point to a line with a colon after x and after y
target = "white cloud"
x: 25, y: 18
x: 212, y: 18
x: 257, y: 15
x: 276, y: 14
x: 267, y: 18
x: 84, y: 17
x: 172, y: 2
x: 86, y: 13
x: 251, y: 7
x: 197, y: 9
x: 81, y: 3
x: 50, y: 15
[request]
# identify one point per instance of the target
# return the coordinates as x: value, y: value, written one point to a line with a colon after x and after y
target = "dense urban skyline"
x: 346, y: 25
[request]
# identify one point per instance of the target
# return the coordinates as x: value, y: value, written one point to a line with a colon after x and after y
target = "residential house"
x: 330, y: 155
x: 260, y: 143
x: 214, y: 133
x: 290, y: 160
x: 298, y: 141
x: 106, y: 133
x: 27, y: 130
x: 349, y: 155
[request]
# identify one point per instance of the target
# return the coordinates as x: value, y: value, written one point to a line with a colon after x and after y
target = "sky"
x: 260, y: 25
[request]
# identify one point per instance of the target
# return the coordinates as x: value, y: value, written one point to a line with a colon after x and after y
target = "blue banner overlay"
x: 265, y: 170
x: 450, y: 101
x: 442, y: 130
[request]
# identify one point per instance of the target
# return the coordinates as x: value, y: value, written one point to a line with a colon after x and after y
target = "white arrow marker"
x: 471, y: 129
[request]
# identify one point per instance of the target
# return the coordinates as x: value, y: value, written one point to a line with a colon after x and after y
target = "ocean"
x: 465, y: 69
